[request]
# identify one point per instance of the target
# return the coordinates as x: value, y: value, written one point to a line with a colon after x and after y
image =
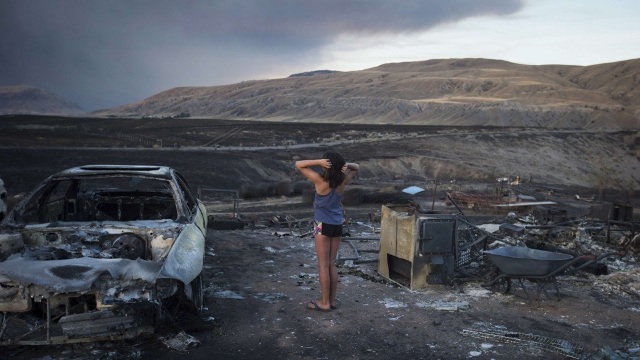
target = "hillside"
x: 27, y: 100
x: 460, y: 92
x: 228, y: 154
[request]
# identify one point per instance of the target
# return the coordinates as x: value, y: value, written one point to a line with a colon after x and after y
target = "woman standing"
x: 328, y: 218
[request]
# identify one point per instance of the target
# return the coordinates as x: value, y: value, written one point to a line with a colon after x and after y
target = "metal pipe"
x: 355, y: 249
x: 361, y: 238
x: 48, y: 320
x: 364, y: 261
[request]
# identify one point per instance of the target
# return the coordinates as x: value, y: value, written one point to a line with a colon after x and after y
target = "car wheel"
x: 197, y: 295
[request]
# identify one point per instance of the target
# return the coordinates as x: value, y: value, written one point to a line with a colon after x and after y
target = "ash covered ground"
x: 260, y: 278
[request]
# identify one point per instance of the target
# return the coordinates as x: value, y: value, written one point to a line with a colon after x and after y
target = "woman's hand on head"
x: 325, y: 163
x: 344, y: 168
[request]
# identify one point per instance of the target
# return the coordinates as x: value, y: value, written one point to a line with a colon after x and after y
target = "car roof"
x: 109, y: 169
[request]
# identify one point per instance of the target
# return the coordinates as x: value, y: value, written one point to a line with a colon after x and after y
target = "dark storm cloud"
x: 108, y: 53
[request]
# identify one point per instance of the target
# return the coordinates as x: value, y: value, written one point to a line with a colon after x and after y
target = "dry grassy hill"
x: 28, y: 100
x: 465, y: 92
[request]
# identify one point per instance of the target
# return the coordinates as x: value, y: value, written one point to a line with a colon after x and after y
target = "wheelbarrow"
x: 538, y: 266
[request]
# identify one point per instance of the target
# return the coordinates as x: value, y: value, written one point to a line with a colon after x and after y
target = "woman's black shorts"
x: 329, y: 230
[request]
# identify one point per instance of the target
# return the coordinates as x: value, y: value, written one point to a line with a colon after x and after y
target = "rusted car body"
x: 95, y: 251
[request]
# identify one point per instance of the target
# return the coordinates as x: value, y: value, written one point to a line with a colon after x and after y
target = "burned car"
x: 98, y: 252
x: 3, y: 200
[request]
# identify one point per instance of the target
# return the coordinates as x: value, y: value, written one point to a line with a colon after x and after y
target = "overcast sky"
x: 102, y: 54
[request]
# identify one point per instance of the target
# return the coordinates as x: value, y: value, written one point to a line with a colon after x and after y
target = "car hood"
x: 71, y: 258
x: 75, y: 275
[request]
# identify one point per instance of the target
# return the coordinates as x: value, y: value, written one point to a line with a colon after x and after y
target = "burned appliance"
x: 417, y: 249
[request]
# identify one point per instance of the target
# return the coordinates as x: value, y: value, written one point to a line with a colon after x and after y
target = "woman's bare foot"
x: 314, y: 305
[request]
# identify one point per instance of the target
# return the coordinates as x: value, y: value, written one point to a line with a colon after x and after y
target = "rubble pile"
x: 618, y: 274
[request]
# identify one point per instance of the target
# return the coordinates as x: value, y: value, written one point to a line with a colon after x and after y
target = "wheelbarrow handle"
x: 598, y: 258
x: 590, y: 258
x: 612, y: 253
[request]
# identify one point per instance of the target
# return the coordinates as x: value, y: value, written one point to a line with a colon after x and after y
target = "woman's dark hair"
x: 334, y: 175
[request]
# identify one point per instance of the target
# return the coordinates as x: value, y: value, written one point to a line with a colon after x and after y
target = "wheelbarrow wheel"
x: 502, y: 284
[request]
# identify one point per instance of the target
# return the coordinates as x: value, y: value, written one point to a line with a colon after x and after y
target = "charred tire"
x: 226, y: 224
x: 183, y: 301
x: 197, y: 293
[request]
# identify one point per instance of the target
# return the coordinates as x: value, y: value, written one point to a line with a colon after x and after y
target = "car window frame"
x: 191, y: 201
